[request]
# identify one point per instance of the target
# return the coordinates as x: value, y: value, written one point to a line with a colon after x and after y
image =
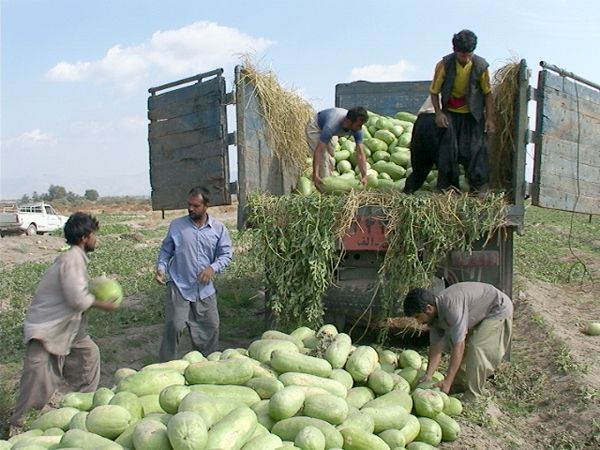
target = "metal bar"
x: 198, y: 77
x: 240, y: 135
x: 566, y: 73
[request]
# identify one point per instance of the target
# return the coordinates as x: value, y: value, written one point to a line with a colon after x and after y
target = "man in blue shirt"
x: 197, y: 247
x: 322, y: 133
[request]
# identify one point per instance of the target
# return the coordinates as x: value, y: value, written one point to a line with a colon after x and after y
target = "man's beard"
x: 195, y: 216
x: 88, y: 248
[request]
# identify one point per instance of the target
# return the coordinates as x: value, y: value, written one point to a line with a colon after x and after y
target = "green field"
x: 558, y: 248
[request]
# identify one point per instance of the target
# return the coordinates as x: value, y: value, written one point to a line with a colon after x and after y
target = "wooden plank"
x: 188, y: 139
x: 214, y: 87
x: 174, y: 197
x: 586, y: 154
x: 385, y: 98
x: 194, y: 105
x: 555, y: 197
x: 185, y: 170
x: 206, y: 173
x: 570, y: 185
x: 165, y: 154
x: 567, y: 160
x: 560, y: 121
x: 209, y: 122
x: 556, y: 161
x: 570, y: 87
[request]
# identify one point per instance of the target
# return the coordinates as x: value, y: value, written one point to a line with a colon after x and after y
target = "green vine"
x: 298, y: 242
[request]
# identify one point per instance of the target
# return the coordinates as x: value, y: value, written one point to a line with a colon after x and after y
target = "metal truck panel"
x: 188, y: 140
x: 567, y: 160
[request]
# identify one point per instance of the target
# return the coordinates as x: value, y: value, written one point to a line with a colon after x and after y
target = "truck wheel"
x: 31, y: 230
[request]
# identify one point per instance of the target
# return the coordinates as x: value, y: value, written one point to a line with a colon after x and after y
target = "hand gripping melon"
x: 105, y: 289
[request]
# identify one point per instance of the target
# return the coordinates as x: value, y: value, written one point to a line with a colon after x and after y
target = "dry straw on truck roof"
x: 285, y: 114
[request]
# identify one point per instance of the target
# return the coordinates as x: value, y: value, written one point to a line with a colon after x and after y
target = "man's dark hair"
x: 417, y: 300
x: 358, y: 112
x: 199, y: 192
x: 464, y: 41
x: 78, y: 226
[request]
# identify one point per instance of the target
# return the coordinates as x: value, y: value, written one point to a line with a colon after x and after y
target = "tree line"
x: 56, y: 192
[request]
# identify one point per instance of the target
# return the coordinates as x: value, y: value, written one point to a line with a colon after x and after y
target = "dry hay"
x: 501, y: 145
x: 285, y: 114
x: 403, y: 326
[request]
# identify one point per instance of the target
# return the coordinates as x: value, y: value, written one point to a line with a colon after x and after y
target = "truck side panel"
x: 383, y: 98
x: 567, y: 161
x: 187, y: 135
x: 258, y: 167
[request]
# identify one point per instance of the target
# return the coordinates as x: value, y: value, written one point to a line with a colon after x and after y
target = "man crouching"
x: 474, y: 322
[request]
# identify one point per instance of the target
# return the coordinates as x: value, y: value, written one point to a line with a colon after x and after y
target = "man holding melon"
x: 470, y: 320
x: 57, y: 344
x: 322, y: 133
x: 196, y: 248
x: 461, y: 96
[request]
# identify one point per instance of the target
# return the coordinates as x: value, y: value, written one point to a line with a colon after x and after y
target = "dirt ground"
x: 544, y: 314
x: 19, y: 249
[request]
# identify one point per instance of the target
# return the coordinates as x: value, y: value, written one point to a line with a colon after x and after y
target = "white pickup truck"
x: 31, y: 219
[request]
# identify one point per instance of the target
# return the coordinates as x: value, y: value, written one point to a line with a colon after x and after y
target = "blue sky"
x: 75, y: 73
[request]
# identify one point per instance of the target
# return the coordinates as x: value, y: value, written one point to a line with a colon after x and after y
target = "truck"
x: 30, y: 219
x: 189, y: 142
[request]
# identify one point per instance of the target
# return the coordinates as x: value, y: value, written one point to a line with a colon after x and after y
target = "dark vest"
x: 475, y: 98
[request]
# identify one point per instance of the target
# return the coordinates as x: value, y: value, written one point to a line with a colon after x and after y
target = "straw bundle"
x: 285, y: 114
x: 501, y: 145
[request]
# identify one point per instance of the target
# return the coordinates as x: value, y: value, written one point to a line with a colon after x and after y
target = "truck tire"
x: 31, y: 230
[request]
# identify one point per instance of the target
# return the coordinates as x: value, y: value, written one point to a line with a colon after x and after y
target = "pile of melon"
x: 387, y: 148
x: 309, y: 390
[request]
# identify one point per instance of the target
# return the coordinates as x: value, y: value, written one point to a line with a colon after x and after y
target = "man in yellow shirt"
x: 464, y: 111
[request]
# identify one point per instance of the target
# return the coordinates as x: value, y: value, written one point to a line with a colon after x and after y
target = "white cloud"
x: 381, y: 72
x: 195, y: 48
x: 32, y: 138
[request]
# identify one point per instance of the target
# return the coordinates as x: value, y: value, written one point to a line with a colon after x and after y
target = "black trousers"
x: 462, y: 143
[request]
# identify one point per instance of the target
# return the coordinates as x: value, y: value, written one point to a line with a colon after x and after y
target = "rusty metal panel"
x: 386, y: 98
x: 187, y: 136
x: 491, y: 261
x: 365, y: 233
x: 567, y: 161
x: 259, y: 169
x: 478, y: 258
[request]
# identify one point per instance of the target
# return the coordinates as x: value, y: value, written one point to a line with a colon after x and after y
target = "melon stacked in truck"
x: 387, y: 149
